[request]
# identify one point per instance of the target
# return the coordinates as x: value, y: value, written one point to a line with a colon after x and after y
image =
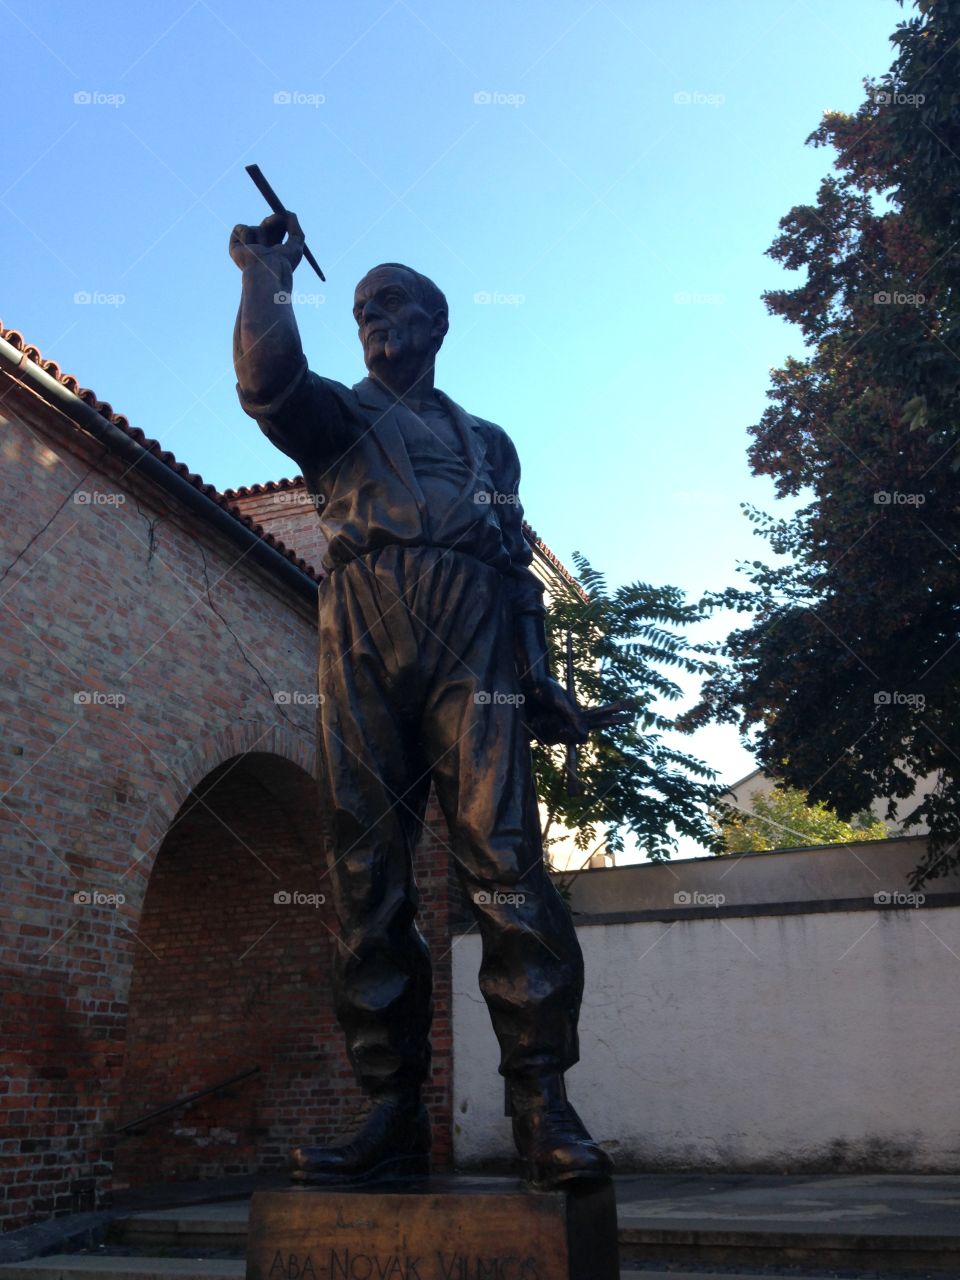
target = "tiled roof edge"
x: 105, y: 409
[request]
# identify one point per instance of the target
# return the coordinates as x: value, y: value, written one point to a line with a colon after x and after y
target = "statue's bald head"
x: 430, y: 296
x: 401, y: 320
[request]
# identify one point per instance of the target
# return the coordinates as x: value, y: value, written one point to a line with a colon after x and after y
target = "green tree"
x: 624, y: 645
x: 785, y: 819
x: 848, y: 675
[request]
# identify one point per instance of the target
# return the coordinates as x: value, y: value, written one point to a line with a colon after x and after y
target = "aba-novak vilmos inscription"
x: 354, y: 1264
x: 434, y: 667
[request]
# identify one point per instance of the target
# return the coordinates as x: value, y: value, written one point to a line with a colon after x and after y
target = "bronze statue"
x: 434, y: 667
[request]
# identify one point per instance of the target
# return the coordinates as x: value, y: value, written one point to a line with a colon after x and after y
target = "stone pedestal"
x: 438, y: 1229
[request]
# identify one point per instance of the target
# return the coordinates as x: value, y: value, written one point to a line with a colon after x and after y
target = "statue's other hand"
x: 266, y: 242
x: 552, y: 715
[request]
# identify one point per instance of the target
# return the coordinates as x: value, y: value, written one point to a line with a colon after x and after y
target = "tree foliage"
x: 785, y: 819
x: 625, y: 644
x: 848, y: 675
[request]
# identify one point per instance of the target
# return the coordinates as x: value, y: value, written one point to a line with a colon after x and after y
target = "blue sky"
x: 593, y: 184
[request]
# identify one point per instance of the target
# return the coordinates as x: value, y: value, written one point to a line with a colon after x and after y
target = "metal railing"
x: 188, y: 1099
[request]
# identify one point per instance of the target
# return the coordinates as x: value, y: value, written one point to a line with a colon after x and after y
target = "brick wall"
x: 141, y: 650
x: 286, y: 510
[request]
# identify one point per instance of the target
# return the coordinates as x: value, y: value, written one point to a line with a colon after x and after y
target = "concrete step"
x: 760, y: 1247
x: 210, y: 1226
x: 72, y: 1266
x: 104, y: 1265
x: 84, y: 1266
x: 651, y: 1240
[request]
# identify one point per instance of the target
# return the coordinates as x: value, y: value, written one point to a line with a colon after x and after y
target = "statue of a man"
x: 433, y: 667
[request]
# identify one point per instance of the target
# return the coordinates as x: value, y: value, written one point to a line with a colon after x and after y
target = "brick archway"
x: 226, y: 979
x: 235, y: 942
x: 210, y: 752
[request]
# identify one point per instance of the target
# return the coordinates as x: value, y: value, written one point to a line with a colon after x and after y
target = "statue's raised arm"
x: 267, y: 352
x: 298, y: 411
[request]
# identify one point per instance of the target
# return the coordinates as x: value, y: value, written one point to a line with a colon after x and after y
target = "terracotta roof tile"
x: 105, y: 409
x: 270, y: 486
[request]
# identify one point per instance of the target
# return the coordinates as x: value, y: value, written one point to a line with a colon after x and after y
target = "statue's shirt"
x: 382, y: 474
x: 436, y: 455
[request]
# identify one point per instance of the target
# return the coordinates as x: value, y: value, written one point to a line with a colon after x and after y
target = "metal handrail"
x: 187, y: 1100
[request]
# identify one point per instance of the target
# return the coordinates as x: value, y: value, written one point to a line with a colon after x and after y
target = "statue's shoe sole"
x: 385, y: 1171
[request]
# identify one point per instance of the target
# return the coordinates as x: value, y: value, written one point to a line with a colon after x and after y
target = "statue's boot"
x: 394, y: 1142
x: 553, y: 1141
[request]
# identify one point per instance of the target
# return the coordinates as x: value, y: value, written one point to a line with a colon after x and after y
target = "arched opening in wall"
x: 232, y: 974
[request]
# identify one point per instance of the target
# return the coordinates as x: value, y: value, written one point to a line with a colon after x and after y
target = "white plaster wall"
x: 783, y: 1043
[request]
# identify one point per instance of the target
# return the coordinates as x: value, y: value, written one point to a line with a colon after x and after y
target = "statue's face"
x: 393, y: 325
